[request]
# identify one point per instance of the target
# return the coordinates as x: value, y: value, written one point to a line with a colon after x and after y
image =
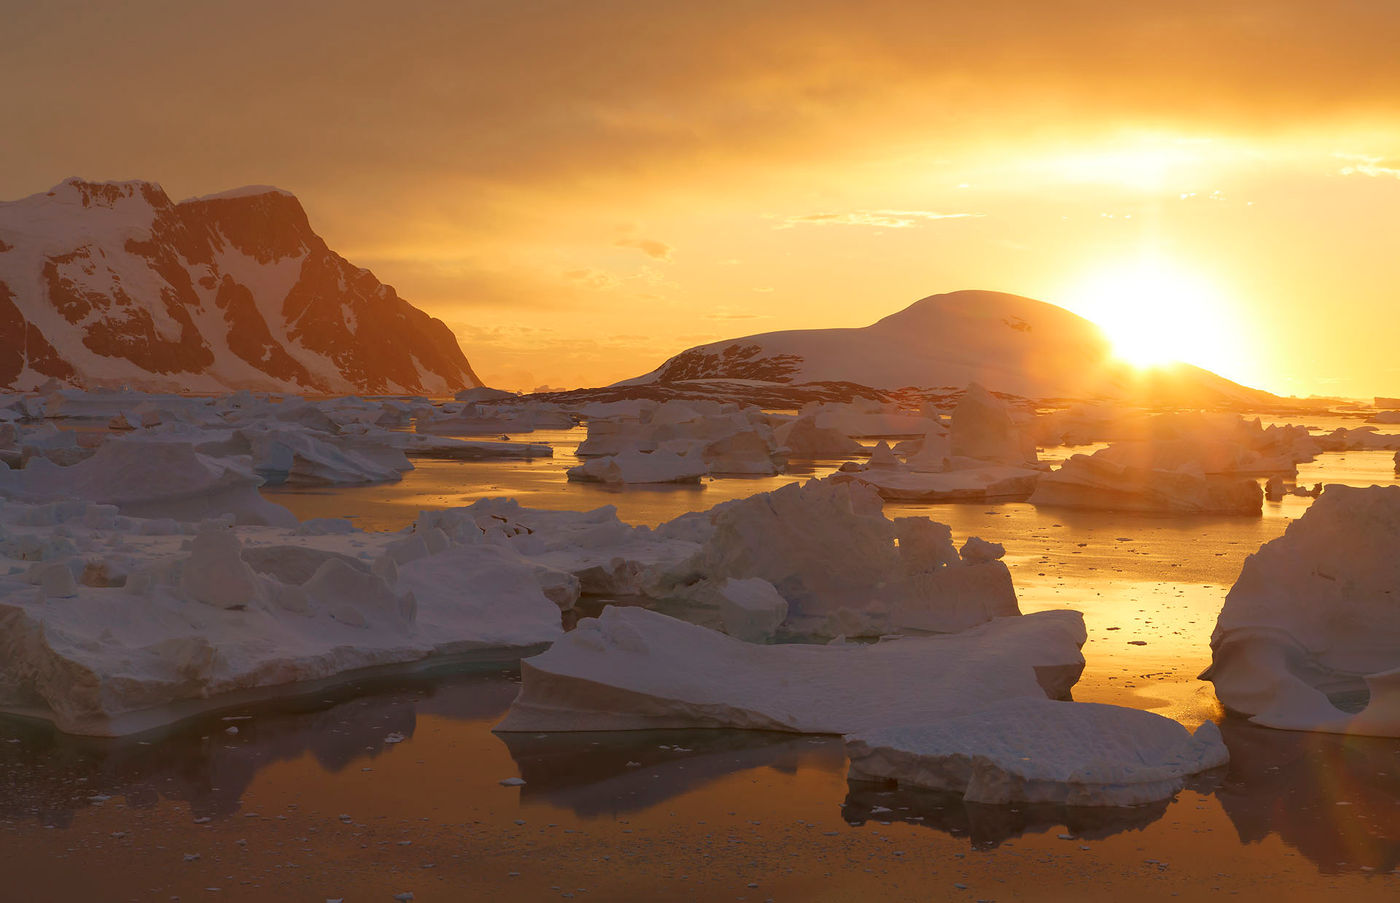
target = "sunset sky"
x: 583, y: 189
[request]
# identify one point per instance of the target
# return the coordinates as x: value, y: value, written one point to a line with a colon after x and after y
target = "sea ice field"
x: 419, y: 771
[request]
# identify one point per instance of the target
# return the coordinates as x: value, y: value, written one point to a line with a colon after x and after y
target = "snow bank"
x: 634, y: 669
x: 1314, y: 620
x: 1040, y: 751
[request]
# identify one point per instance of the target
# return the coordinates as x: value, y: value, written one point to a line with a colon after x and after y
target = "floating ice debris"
x: 395, y: 737
x: 511, y: 782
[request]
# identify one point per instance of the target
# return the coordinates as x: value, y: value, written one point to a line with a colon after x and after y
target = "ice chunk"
x: 637, y: 669
x: 641, y: 467
x: 751, y: 609
x: 841, y: 565
x: 1315, y: 617
x: 982, y: 428
x: 1041, y: 751
x: 1100, y: 481
x: 150, y: 479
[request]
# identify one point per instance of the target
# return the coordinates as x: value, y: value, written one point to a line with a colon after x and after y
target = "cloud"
x: 594, y: 278
x: 885, y: 219
x: 657, y: 250
x: 1369, y: 165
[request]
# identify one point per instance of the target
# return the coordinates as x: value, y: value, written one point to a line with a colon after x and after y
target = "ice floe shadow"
x: 616, y: 772
x: 209, y: 762
x: 987, y: 826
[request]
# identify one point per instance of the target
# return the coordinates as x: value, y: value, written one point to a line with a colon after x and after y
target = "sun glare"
x: 1153, y: 313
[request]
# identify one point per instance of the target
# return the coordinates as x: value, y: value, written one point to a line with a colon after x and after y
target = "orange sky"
x: 583, y: 189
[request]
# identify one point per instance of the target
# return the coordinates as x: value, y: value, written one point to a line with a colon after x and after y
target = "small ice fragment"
x: 231, y: 730
x: 191, y: 857
x: 395, y: 737
x: 511, y: 782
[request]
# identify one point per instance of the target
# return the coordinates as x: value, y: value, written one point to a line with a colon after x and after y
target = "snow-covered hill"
x: 1008, y: 343
x: 110, y: 283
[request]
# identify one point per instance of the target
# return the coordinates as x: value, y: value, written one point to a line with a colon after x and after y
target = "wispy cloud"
x: 1370, y: 165
x: 657, y: 250
x: 592, y: 277
x: 885, y: 219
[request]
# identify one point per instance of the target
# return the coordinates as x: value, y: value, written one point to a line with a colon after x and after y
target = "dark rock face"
x: 734, y: 362
x: 112, y: 283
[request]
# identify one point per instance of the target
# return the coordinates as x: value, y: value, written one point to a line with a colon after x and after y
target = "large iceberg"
x: 1309, y: 636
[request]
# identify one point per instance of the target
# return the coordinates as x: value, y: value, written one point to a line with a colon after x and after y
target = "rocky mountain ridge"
x: 112, y: 284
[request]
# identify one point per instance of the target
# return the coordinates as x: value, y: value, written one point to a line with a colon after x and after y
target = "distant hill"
x: 1010, y: 344
x: 111, y: 283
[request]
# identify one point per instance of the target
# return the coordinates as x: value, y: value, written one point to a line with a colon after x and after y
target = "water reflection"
x: 610, y: 773
x: 1335, y: 799
x: 988, y: 826
x: 49, y: 776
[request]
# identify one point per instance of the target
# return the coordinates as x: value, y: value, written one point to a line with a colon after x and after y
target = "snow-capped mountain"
x: 1008, y: 343
x: 111, y: 283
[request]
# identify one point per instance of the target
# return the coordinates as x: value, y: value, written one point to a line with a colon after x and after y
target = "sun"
x: 1154, y: 313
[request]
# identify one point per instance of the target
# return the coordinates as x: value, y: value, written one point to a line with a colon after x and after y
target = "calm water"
x: 310, y: 800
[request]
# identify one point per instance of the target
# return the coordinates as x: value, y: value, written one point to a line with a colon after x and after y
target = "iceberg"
x: 1309, y: 635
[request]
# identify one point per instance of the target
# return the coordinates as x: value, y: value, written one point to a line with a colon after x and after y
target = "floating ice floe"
x: 726, y: 438
x: 632, y: 669
x: 984, y: 456
x: 1361, y: 437
x: 842, y: 566
x: 112, y: 625
x: 150, y: 479
x: 1103, y: 480
x: 1040, y: 751
x: 802, y: 438
x: 601, y: 554
x: 660, y: 466
x: 1309, y: 636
